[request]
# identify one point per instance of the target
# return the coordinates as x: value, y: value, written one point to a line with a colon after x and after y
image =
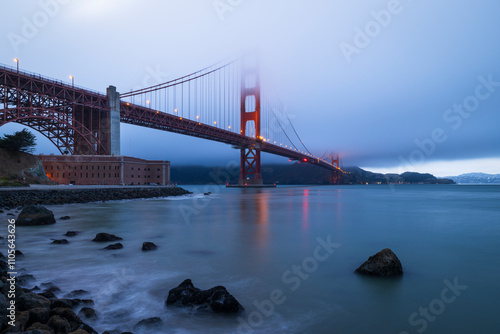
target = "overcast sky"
x: 389, y: 85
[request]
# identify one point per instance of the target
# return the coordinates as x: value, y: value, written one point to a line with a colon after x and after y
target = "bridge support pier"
x: 114, y: 121
x: 250, y: 165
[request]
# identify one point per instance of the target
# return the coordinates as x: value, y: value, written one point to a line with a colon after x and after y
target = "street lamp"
x: 72, y: 80
x: 17, y: 62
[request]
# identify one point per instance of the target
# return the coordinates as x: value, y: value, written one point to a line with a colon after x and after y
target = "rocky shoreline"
x: 46, y: 309
x: 16, y: 198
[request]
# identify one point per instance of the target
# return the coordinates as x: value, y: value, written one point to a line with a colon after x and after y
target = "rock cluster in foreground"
x: 16, y: 198
x: 385, y: 264
x: 36, y: 313
x: 216, y: 299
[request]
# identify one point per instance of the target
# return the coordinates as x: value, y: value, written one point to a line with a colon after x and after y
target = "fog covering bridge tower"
x: 250, y: 173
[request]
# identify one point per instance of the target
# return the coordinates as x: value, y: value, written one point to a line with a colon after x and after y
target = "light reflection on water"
x: 247, y: 239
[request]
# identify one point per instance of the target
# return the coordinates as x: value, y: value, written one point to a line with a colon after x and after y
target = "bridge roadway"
x: 46, y: 88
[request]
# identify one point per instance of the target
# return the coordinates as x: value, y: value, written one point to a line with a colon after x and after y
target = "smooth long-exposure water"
x: 288, y: 255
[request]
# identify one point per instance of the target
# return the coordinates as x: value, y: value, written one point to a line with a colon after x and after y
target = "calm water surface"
x: 267, y: 247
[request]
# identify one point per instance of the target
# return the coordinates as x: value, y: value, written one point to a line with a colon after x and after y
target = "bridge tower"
x: 250, y: 118
x: 336, y: 175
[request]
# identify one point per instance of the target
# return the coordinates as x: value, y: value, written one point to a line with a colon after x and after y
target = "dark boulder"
x: 28, y: 301
x: 24, y: 279
x: 71, y: 233
x: 65, y: 218
x: 217, y: 299
x: 78, y: 294
x: 114, y: 246
x: 35, y: 215
x: 147, y: 246
x: 59, y: 324
x: 47, y: 294
x: 39, y: 328
x: 61, y: 242
x: 19, y: 253
x: 385, y: 264
x: 104, y: 237
x: 70, y: 303
x: 87, y: 313
x: 148, y: 324
x: 40, y: 315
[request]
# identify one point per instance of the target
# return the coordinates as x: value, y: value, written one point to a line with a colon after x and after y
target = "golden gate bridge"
x: 224, y: 102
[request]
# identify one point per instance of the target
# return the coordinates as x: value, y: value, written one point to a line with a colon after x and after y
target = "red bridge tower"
x: 250, y: 118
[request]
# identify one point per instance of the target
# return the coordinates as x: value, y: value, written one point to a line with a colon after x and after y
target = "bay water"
x: 288, y: 255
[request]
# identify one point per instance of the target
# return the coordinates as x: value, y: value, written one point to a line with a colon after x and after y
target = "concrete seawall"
x: 15, y: 197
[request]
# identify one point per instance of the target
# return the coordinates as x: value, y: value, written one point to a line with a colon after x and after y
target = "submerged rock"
x: 64, y: 217
x: 217, y: 299
x: 71, y: 233
x: 114, y: 246
x: 149, y: 324
x: 385, y: 264
x: 103, y: 237
x: 61, y: 242
x: 147, y: 246
x: 87, y: 313
x: 78, y: 294
x: 35, y: 215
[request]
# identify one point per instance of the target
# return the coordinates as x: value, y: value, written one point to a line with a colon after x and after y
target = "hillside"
x: 296, y: 174
x: 16, y: 166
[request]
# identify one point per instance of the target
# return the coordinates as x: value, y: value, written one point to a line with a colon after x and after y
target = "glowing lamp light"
x: 128, y: 103
x: 175, y: 110
x: 305, y: 160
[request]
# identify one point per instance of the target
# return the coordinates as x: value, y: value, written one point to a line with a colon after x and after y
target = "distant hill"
x: 357, y: 175
x: 297, y: 174
x: 476, y: 178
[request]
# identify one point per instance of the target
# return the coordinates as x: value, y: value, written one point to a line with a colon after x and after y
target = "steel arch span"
x: 76, y: 121
x: 60, y: 132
